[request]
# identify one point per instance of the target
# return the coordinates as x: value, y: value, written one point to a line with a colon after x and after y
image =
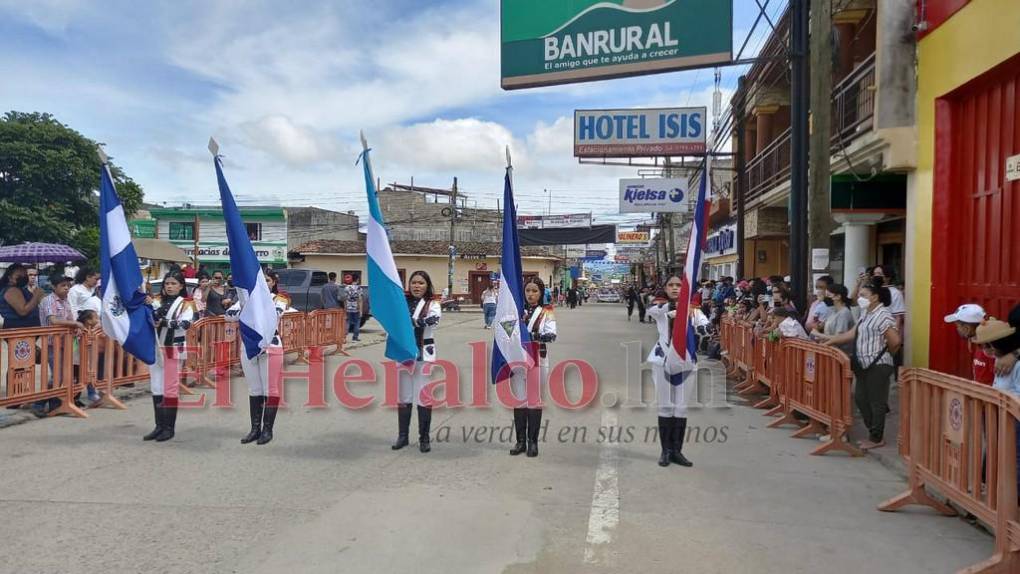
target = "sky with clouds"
x: 286, y: 86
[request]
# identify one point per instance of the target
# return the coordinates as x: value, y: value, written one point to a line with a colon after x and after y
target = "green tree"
x: 49, y: 179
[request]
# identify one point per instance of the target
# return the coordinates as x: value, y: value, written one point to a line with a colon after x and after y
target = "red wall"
x: 936, y: 12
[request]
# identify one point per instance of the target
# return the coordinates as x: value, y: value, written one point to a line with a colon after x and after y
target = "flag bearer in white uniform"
x: 175, y: 312
x: 425, y: 313
x: 263, y: 393
x: 669, y: 390
x: 541, y: 325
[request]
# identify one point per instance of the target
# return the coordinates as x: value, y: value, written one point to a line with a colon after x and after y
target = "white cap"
x: 967, y: 313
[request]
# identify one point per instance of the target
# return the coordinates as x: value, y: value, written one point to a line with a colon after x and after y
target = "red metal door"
x: 976, y: 212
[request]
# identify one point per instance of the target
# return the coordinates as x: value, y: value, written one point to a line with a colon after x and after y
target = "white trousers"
x: 158, y: 371
x: 257, y: 374
x: 671, y: 399
x: 519, y: 384
x: 410, y: 383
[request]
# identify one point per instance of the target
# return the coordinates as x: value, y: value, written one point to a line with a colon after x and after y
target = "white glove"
x: 671, y: 314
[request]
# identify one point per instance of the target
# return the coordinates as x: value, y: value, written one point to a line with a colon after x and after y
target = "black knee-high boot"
x: 521, y: 428
x: 169, y: 410
x: 272, y: 405
x: 403, y: 426
x: 679, y: 432
x: 665, y: 439
x: 255, y: 407
x: 424, y: 426
x: 157, y: 414
x: 534, y: 428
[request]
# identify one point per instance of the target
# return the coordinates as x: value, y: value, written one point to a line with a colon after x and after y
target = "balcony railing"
x: 853, y: 107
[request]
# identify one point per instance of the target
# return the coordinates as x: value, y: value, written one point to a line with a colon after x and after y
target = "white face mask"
x: 864, y: 302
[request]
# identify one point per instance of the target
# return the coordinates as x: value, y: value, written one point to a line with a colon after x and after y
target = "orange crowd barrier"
x: 765, y: 371
x: 816, y: 381
x: 213, y: 348
x: 327, y: 328
x: 105, y: 365
x: 963, y: 445
x: 38, y: 365
x: 293, y: 334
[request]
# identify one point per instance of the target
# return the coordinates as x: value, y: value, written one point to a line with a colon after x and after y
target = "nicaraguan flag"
x: 682, y: 352
x: 385, y: 290
x: 258, y: 316
x: 125, y: 316
x: 512, y: 336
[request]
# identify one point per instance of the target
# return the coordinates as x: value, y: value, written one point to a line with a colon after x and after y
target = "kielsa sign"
x: 632, y: 237
x: 639, y: 132
x: 547, y: 42
x: 653, y: 195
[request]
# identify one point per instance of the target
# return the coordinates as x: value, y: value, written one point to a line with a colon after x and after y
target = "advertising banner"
x: 633, y: 237
x: 548, y: 42
x: 653, y: 195
x: 553, y: 221
x: 639, y: 132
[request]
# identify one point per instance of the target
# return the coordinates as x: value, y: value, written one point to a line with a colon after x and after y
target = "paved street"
x: 328, y: 495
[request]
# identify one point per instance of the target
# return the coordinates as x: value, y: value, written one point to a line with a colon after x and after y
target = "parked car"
x: 305, y: 289
x: 156, y: 286
x: 608, y: 296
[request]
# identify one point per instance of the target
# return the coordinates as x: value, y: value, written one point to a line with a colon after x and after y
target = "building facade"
x: 306, y: 224
x: 187, y: 226
x: 963, y: 200
x: 474, y: 263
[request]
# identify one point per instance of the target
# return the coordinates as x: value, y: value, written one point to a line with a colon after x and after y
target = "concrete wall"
x: 411, y: 218
x: 895, y: 74
x: 309, y: 223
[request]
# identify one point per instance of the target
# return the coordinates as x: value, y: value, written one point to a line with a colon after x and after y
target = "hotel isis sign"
x: 547, y: 42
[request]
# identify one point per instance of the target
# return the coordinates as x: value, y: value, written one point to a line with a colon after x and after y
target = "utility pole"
x: 819, y: 203
x: 194, y: 234
x: 453, y: 237
x: 740, y: 163
x: 800, y: 89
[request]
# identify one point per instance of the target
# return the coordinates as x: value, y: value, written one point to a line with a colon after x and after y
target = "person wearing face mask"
x: 173, y: 316
x: 820, y: 306
x: 875, y: 340
x: 425, y: 313
x: 18, y: 304
x: 839, y: 319
x: 541, y: 325
x: 669, y: 390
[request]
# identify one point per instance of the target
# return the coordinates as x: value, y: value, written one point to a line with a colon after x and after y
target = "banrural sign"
x: 547, y: 42
x: 639, y: 132
x: 653, y: 195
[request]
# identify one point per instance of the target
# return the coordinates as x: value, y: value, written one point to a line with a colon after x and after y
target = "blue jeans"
x: 490, y: 313
x: 354, y: 324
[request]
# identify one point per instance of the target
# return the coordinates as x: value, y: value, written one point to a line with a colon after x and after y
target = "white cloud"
x: 466, y: 144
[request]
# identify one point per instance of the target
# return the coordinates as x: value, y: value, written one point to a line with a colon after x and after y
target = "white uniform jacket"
x: 660, y: 313
x: 425, y: 318
x: 172, y: 330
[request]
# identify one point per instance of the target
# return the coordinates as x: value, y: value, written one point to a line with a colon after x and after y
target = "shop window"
x: 182, y: 231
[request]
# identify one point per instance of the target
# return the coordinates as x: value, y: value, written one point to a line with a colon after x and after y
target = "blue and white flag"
x: 258, y: 316
x: 385, y: 290
x: 125, y: 316
x: 682, y: 353
x: 511, y: 334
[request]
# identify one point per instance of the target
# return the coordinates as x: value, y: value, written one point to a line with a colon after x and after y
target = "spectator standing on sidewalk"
x: 967, y: 318
x: 83, y: 295
x: 18, y: 304
x: 876, y: 339
x: 489, y: 298
x: 331, y: 293
x: 839, y: 319
x: 352, y: 298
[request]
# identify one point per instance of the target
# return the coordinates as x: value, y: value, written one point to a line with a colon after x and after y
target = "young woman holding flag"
x: 425, y: 313
x: 669, y: 390
x: 263, y: 400
x: 541, y: 325
x: 175, y: 312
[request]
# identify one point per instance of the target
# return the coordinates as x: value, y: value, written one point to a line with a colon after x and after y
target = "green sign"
x: 546, y: 42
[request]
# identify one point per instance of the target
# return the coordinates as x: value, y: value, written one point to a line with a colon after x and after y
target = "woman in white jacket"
x: 262, y: 402
x: 669, y: 390
x: 425, y: 313
x: 174, y: 314
x: 541, y: 325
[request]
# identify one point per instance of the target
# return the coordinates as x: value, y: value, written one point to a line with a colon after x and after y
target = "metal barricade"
x: 39, y: 366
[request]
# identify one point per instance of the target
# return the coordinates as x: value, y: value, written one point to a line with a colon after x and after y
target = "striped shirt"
x: 871, y: 330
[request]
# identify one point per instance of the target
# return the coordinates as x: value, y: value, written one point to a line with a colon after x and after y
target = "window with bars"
x: 254, y: 231
x: 182, y: 231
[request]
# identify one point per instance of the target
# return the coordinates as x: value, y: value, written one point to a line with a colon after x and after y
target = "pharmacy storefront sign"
x: 547, y: 42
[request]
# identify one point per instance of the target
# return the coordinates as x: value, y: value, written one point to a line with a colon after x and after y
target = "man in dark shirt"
x: 331, y: 293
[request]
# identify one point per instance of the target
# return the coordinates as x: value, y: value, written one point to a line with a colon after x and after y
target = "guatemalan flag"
x: 258, y: 311
x: 682, y: 352
x: 125, y: 317
x: 511, y: 339
x: 385, y: 290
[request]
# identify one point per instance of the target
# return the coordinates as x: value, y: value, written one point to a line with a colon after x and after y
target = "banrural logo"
x: 559, y: 41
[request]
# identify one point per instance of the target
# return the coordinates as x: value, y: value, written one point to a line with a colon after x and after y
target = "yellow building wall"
x: 435, y: 266
x: 977, y: 38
